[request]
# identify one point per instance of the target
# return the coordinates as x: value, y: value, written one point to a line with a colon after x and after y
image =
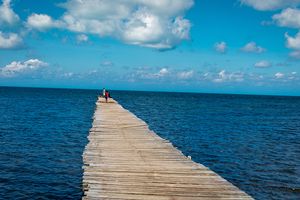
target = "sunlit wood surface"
x: 126, y: 160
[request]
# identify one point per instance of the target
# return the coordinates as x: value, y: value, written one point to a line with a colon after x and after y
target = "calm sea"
x: 252, y: 141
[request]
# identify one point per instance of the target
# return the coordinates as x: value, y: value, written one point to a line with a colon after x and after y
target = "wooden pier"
x: 126, y: 160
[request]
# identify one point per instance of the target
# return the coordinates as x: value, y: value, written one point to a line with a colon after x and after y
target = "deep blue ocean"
x: 252, y: 141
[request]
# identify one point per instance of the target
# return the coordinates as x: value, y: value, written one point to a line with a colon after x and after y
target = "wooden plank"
x: 126, y: 160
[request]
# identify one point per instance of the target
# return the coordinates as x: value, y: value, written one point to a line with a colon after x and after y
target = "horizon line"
x: 155, y: 91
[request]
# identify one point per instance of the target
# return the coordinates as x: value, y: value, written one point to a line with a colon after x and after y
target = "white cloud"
x: 221, y: 77
x: 149, y: 30
x: 17, y: 67
x: 162, y: 72
x: 145, y: 73
x: 221, y: 47
x: 93, y: 26
x: 42, y: 22
x: 279, y: 75
x: 165, y: 75
x: 82, y: 38
x: 185, y: 74
x: 10, y: 40
x: 7, y: 15
x: 289, y: 18
x: 252, y: 47
x: 293, y: 42
x: 224, y: 76
x: 144, y: 28
x: 263, y: 64
x: 270, y: 4
x: 157, y: 24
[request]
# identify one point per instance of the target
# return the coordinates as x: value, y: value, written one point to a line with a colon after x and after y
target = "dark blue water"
x: 42, y: 137
x: 252, y: 141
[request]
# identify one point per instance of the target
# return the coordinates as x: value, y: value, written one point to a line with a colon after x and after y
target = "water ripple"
x: 42, y: 136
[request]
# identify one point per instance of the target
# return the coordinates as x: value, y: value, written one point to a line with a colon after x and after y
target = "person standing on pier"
x: 106, y: 95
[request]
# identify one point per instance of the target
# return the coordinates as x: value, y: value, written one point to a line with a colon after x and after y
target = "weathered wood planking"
x: 126, y: 160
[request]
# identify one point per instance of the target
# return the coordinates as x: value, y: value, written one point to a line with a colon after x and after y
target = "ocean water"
x: 42, y: 136
x: 252, y: 141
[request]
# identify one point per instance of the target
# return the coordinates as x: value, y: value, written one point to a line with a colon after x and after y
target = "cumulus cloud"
x: 221, y: 47
x: 8, y: 16
x: 279, y: 75
x: 146, y: 73
x: 221, y: 76
x: 252, y: 47
x: 218, y: 77
x: 270, y: 4
x: 289, y: 17
x: 263, y: 64
x: 293, y: 42
x: 157, y: 24
x: 10, y: 40
x: 224, y: 76
x: 17, y: 67
x: 162, y: 72
x: 82, y: 38
x: 42, y: 22
x: 147, y: 29
x: 185, y: 74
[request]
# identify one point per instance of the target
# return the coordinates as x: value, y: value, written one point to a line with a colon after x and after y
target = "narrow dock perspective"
x: 126, y: 160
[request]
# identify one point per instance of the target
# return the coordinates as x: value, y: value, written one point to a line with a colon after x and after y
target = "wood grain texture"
x: 126, y: 160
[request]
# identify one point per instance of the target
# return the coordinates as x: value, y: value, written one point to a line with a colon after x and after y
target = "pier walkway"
x: 126, y: 160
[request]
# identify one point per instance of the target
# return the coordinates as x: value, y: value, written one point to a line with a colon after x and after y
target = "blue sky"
x: 232, y: 46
